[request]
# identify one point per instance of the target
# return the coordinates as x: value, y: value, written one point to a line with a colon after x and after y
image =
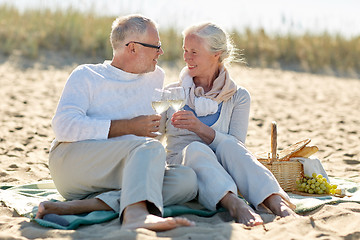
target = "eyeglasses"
x: 146, y: 45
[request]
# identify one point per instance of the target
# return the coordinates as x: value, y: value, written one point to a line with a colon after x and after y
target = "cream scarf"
x: 207, y: 103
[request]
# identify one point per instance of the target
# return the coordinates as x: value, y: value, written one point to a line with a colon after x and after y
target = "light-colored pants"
x: 135, y: 165
x: 232, y: 167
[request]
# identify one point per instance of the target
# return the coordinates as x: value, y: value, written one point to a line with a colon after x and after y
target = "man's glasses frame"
x: 146, y: 45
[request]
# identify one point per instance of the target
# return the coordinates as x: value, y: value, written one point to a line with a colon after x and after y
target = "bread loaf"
x: 305, y: 152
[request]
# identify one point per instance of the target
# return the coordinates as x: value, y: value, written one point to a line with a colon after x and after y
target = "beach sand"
x: 325, y: 109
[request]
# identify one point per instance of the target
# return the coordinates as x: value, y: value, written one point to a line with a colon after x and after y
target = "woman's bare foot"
x: 279, y: 206
x: 240, y: 211
x: 71, y: 207
x: 137, y: 216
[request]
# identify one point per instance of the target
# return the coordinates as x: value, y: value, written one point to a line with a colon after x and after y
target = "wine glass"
x: 177, y: 98
x: 159, y: 101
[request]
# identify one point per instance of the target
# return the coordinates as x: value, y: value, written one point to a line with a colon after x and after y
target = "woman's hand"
x: 187, y: 120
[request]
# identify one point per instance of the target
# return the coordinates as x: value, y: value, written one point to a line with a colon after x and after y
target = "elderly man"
x: 104, y: 147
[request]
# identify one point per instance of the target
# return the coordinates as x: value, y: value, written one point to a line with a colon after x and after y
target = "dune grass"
x: 316, y: 53
x: 86, y: 34
x: 72, y: 31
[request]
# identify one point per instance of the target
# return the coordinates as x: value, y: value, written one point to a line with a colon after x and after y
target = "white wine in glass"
x: 177, y: 98
x: 159, y: 101
x: 160, y: 106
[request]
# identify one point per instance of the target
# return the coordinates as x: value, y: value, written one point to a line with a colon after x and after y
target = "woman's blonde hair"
x: 217, y: 40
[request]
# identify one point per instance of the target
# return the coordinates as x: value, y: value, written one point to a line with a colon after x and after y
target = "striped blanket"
x: 24, y: 200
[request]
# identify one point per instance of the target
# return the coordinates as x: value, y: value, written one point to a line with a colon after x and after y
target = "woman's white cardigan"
x: 233, y: 122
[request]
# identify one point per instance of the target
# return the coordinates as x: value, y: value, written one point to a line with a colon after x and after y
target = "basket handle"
x: 273, y: 141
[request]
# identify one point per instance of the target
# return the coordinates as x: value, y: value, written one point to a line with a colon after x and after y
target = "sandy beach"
x: 325, y: 109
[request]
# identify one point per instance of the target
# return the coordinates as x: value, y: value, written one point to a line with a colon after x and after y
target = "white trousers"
x: 232, y: 167
x: 135, y: 165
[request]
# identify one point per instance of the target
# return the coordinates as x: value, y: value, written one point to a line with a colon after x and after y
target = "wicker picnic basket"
x: 285, y: 171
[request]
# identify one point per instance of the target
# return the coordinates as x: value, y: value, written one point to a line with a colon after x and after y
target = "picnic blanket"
x: 24, y: 200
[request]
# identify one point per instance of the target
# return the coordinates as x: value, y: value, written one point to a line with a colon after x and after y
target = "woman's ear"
x: 217, y: 55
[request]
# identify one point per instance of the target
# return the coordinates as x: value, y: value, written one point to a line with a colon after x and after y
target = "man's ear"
x: 131, y: 48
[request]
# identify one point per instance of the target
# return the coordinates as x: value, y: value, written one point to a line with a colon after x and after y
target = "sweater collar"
x: 118, y: 72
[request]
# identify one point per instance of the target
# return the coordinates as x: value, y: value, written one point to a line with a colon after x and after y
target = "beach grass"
x: 87, y: 34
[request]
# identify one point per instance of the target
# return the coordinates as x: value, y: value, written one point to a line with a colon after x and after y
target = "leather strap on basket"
x: 273, y: 142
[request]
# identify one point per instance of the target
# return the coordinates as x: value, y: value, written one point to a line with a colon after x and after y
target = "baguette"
x: 305, y: 152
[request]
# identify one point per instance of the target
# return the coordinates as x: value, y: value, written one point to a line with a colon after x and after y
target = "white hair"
x: 128, y: 25
x: 216, y: 38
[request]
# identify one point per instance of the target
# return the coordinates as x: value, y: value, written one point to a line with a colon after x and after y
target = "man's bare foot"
x: 71, y: 207
x: 44, y: 208
x: 240, y: 211
x: 137, y: 216
x: 279, y: 206
x: 156, y: 223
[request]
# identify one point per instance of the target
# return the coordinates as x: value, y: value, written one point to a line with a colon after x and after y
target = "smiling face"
x: 148, y: 57
x: 200, y: 61
x: 143, y: 59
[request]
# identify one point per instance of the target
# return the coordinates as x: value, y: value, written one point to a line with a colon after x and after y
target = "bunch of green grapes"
x: 316, y: 184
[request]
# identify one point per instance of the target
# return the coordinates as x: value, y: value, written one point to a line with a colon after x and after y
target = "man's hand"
x: 144, y: 125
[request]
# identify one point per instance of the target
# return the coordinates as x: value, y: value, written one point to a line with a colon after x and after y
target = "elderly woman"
x: 209, y: 134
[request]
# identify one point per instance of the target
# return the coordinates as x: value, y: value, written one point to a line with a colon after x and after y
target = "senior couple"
x: 105, y: 155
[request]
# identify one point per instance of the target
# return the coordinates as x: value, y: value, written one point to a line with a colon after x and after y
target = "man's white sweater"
x: 95, y: 94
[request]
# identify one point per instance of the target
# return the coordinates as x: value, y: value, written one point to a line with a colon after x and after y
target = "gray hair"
x: 216, y: 38
x: 126, y: 26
